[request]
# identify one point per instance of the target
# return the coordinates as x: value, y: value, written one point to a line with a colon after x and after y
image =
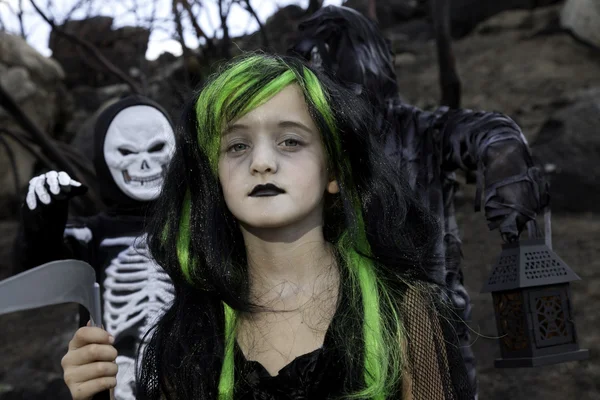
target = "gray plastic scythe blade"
x: 56, y: 282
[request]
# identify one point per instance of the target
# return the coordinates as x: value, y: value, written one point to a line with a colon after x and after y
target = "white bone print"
x: 136, y: 289
x: 125, y: 389
x: 136, y: 293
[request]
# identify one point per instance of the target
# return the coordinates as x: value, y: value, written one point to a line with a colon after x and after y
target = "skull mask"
x: 139, y: 144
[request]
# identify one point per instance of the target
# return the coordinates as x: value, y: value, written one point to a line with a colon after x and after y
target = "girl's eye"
x: 237, y: 147
x: 291, y: 143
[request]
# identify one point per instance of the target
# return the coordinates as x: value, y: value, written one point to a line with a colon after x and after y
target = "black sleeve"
x: 492, y: 145
x: 464, y: 136
x: 44, y: 235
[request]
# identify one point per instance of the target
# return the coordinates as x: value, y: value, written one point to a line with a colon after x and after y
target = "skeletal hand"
x: 52, y: 186
x: 89, y: 366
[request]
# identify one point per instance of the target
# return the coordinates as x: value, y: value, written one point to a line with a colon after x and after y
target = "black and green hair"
x: 382, y: 235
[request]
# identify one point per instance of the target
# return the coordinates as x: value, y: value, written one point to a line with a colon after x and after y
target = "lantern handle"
x: 533, y: 230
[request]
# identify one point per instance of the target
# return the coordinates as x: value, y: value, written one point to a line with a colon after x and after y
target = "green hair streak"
x: 237, y: 90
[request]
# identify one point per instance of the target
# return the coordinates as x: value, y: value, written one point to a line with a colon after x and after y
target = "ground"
x: 511, y: 66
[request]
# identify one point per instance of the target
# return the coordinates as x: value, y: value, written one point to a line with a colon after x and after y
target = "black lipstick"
x: 266, y: 190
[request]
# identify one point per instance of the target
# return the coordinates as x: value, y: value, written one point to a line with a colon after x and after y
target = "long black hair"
x: 383, y: 235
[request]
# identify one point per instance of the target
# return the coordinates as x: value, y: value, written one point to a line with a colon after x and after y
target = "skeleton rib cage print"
x: 136, y: 293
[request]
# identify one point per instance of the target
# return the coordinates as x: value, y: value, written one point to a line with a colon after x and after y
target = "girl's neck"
x: 289, y: 264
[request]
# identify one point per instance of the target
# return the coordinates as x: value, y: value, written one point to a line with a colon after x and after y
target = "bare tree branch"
x: 261, y: 27
x: 12, y: 161
x: 314, y: 6
x: 91, y: 49
x: 152, y: 19
x: 18, y: 13
x: 88, y: 174
x: 76, y: 6
x: 199, y: 32
x: 90, y: 10
x: 449, y: 80
x: 20, y: 17
x: 209, y: 19
x: 184, y: 49
x: 136, y: 12
x: 49, y: 10
x: 226, y: 41
x: 8, y: 103
x: 28, y: 145
x: 372, y: 10
x: 158, y: 21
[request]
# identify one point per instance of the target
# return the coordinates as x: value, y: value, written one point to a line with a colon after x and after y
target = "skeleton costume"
x: 431, y: 146
x: 134, y: 141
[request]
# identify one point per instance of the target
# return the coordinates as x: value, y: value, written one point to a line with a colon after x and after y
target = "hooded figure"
x: 431, y: 146
x: 133, y: 143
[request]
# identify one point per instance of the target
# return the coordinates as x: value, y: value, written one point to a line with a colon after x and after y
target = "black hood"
x: 351, y: 47
x: 112, y: 196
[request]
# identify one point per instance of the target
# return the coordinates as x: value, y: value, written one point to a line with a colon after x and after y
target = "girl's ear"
x: 333, y: 187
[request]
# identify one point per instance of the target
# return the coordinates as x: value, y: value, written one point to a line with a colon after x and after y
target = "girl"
x: 303, y: 267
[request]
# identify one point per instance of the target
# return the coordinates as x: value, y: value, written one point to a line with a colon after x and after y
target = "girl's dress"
x: 434, y: 359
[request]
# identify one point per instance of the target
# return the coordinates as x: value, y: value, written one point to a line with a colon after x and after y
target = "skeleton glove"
x: 46, y: 204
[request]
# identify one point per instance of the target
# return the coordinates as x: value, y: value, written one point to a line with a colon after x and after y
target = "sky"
x: 161, y: 38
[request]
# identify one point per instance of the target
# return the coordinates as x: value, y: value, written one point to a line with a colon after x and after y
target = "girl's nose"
x: 264, y: 159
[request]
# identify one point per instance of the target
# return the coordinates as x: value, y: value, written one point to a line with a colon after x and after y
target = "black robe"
x: 134, y: 289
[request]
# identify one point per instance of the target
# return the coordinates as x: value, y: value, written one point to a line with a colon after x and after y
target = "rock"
x: 582, y: 18
x: 505, y: 21
x: 568, y: 147
x: 413, y: 16
x: 49, y: 387
x: 125, y: 47
x: 170, y: 88
x: 8, y: 234
x: 34, y: 343
x: 542, y: 20
x: 281, y: 28
x: 33, y: 80
x: 467, y: 14
x: 15, y: 52
x: 88, y: 101
x: 391, y: 12
x: 404, y: 59
x: 36, y: 84
x: 84, y: 138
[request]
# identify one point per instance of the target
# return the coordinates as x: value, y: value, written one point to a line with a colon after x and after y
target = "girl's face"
x: 272, y: 164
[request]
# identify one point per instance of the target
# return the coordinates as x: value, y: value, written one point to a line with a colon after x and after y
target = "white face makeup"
x: 275, y: 144
x: 138, y: 146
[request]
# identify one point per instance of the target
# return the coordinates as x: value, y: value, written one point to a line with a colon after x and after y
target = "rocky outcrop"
x: 90, y: 102
x: 568, y: 146
x: 125, y: 47
x: 36, y: 84
x: 582, y: 18
x: 412, y: 17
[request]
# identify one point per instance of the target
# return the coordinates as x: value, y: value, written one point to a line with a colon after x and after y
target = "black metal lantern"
x: 532, y: 302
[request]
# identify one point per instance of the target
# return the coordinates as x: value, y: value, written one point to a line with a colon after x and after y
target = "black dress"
x: 310, y: 376
x: 315, y: 375
x: 436, y: 368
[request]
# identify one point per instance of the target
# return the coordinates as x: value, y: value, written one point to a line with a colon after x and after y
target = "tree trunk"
x: 372, y: 10
x: 314, y: 6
